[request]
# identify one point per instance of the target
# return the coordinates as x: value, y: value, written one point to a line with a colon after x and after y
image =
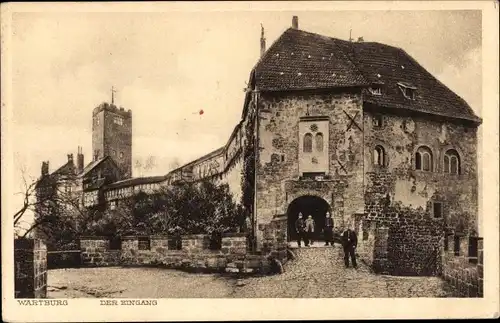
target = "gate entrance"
x: 308, y: 205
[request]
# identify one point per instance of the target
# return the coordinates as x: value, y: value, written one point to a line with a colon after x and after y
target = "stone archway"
x: 307, y: 205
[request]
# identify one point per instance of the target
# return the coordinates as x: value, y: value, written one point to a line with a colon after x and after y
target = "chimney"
x: 295, y: 22
x: 45, y: 168
x: 262, y: 41
x: 360, y: 39
x: 70, y: 158
x: 79, y: 160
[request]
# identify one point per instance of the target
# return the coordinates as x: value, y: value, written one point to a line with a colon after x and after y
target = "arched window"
x: 319, y: 141
x: 308, y: 143
x: 379, y: 156
x: 423, y: 159
x: 451, y: 162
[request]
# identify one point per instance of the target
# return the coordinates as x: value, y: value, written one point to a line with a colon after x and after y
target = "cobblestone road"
x: 320, y: 272
x: 316, y: 273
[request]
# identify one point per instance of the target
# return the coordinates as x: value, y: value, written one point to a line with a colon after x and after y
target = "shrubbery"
x: 187, y: 208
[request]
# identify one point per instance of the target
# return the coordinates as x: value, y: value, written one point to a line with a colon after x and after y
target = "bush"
x: 187, y: 208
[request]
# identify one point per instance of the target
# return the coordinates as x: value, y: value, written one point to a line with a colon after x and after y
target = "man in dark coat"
x: 349, y: 242
x: 328, y: 230
x: 300, y: 229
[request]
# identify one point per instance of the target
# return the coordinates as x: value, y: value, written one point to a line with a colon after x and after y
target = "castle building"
x: 359, y: 129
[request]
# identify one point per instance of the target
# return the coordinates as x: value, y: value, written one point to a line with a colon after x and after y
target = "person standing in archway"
x: 328, y: 230
x: 350, y: 242
x: 310, y: 230
x: 300, y: 228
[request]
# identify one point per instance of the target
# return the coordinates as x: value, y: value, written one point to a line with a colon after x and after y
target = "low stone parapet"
x: 463, y: 265
x: 195, y: 256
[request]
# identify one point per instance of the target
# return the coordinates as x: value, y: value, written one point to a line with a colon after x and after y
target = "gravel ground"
x: 117, y: 282
x: 316, y: 273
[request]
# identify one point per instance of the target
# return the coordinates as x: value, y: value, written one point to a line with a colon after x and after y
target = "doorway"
x: 308, y: 205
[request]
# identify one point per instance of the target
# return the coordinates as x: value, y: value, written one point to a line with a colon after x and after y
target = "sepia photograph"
x: 246, y: 154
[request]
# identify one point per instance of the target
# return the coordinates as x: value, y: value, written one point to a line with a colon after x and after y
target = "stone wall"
x: 95, y: 251
x: 195, y: 242
x: 194, y: 256
x: 279, y: 150
x: 401, y: 241
x: 30, y: 260
x: 274, y: 245
x: 401, y: 135
x: 463, y: 266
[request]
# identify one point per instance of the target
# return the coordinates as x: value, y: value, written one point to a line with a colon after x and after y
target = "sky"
x: 167, y: 67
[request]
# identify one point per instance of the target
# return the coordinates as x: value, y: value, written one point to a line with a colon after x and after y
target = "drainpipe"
x: 256, y: 153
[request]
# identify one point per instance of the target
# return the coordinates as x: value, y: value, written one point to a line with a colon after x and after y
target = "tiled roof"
x: 136, y: 181
x: 198, y: 160
x: 395, y: 66
x: 301, y: 60
x: 66, y: 169
x: 92, y: 165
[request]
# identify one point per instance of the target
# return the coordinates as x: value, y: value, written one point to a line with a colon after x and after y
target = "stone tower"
x: 112, y: 136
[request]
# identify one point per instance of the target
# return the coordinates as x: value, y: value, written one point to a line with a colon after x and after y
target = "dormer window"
x: 375, y: 90
x: 408, y: 90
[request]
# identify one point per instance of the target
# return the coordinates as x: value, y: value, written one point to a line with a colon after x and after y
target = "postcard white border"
x: 260, y: 309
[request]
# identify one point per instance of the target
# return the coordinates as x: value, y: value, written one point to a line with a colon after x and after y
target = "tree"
x: 58, y: 215
x: 195, y: 208
x: 144, y: 166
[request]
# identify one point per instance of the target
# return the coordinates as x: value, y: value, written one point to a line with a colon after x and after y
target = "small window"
x: 319, y: 142
x: 97, y: 121
x: 118, y: 120
x: 456, y: 246
x: 121, y: 154
x: 282, y: 158
x: 451, y: 162
x: 307, y: 143
x: 144, y: 243
x: 437, y: 208
x: 112, y: 205
x: 113, y: 152
x: 423, y: 159
x: 375, y: 90
x: 377, y: 121
x: 473, y: 252
x: 379, y: 156
x: 409, y: 91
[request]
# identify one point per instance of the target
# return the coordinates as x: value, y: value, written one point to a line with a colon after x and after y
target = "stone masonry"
x: 278, y: 177
x: 194, y: 256
x: 30, y: 260
x: 464, y: 272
